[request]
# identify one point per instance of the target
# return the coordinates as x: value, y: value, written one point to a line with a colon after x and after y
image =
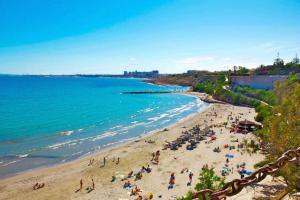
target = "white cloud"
x: 192, y: 61
x: 132, y: 59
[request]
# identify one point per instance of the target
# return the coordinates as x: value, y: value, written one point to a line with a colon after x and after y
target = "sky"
x: 172, y: 36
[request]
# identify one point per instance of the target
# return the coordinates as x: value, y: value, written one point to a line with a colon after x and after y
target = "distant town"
x: 126, y: 74
x: 137, y: 74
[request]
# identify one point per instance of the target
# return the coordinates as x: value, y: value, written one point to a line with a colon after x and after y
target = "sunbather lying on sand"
x: 127, y: 185
x: 135, y: 191
x: 38, y: 186
x: 148, y: 169
x: 138, y: 176
x: 139, y: 198
x: 184, y: 170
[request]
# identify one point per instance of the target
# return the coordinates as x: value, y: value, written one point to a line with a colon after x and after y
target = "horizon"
x: 69, y: 38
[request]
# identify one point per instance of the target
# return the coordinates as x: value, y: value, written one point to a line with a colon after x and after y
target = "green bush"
x: 207, y: 180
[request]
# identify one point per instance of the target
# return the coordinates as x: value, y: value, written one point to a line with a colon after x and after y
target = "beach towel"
x: 229, y: 156
x: 247, y: 172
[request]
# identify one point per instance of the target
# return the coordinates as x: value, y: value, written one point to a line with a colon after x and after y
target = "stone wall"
x: 257, y: 82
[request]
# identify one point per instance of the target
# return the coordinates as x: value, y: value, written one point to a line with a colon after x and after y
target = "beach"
x: 61, y: 181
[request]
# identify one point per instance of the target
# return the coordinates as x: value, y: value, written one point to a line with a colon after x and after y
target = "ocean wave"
x: 66, y: 133
x: 115, y: 127
x: 58, y: 145
x: 23, y: 155
x: 119, y: 142
x: 9, y: 163
x: 158, y: 117
x: 77, y: 153
x: 79, y: 141
x: 121, y: 129
x: 104, y: 135
x: 72, y: 144
x: 126, y: 128
x: 146, y: 110
x: 165, y: 121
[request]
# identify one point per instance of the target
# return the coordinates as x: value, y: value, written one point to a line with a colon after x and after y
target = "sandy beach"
x: 62, y: 181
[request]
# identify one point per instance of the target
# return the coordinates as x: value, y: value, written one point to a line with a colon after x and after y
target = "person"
x: 81, y: 184
x: 156, y: 159
x: 130, y: 174
x: 127, y: 185
x: 205, y: 167
x: 118, y: 161
x: 92, y: 161
x: 157, y: 154
x: 35, y: 186
x: 104, y: 161
x: 143, y: 170
x: 93, y: 184
x: 153, y: 156
x: 148, y: 169
x: 190, y: 178
x: 172, y: 181
x: 135, y: 191
x: 138, y: 176
x: 91, y: 188
x: 183, y: 170
x: 139, y: 198
x: 38, y: 186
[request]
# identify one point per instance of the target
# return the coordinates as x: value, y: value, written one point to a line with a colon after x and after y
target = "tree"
x: 278, y: 61
x: 208, y: 180
x: 296, y: 60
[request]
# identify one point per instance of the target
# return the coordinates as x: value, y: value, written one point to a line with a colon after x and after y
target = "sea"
x: 46, y: 120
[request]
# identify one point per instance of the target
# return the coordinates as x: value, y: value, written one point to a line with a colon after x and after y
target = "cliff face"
x: 172, y: 80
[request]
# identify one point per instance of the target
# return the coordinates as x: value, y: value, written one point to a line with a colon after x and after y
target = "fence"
x: 235, y: 186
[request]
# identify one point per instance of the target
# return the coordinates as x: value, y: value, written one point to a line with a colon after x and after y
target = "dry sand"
x: 61, y: 181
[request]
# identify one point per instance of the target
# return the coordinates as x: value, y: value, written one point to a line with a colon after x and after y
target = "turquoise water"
x: 47, y: 120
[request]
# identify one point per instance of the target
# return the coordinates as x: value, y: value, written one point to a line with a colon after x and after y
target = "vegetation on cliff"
x: 281, y: 129
x: 267, y: 96
x: 218, y: 89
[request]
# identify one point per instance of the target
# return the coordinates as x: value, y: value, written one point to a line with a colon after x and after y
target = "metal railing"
x: 235, y: 186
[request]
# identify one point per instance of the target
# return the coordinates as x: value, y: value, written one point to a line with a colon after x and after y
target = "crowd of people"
x: 192, y: 137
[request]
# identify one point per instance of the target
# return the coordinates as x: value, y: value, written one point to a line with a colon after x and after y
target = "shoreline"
x: 130, y: 140
x: 61, y: 180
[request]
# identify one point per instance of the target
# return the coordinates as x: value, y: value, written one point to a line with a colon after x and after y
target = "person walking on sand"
x: 81, y: 185
x: 172, y: 181
x: 157, y: 154
x: 153, y: 156
x: 93, y: 184
x: 190, y: 178
x: 104, y: 161
x: 118, y: 161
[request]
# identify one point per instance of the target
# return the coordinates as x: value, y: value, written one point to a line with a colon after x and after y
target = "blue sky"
x: 94, y: 36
